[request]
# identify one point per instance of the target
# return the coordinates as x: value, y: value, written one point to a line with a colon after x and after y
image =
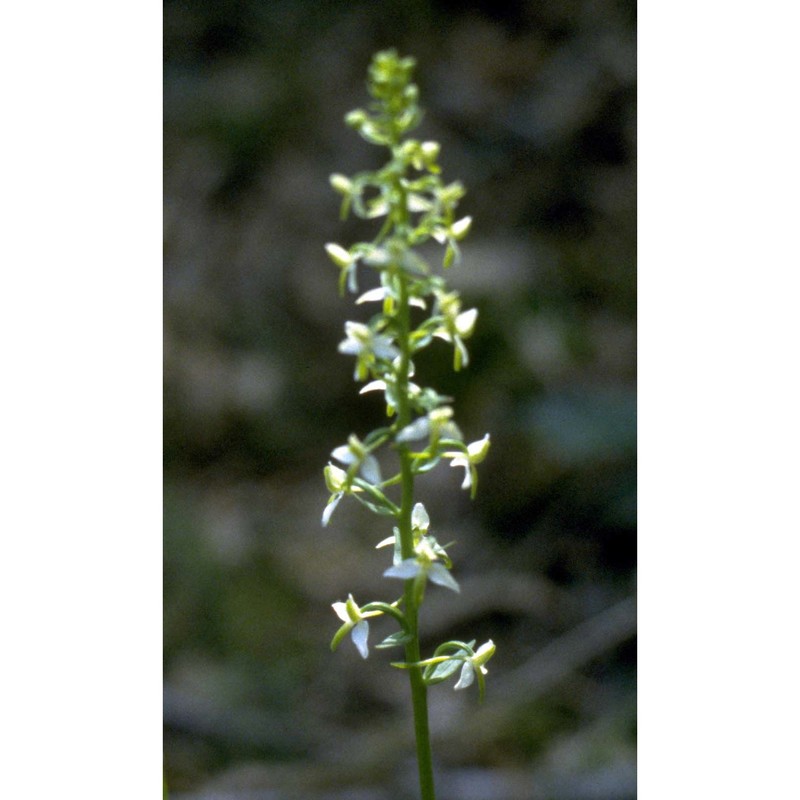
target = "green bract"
x: 411, y: 206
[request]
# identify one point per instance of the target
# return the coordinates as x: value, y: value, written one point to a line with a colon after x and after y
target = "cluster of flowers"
x: 416, y: 206
x: 430, y: 563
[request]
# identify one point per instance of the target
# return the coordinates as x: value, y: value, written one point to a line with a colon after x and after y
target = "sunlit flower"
x: 474, y: 665
x: 433, y: 571
x: 347, y: 264
x: 355, y: 623
x: 456, y: 326
x: 426, y: 564
x: 339, y: 485
x: 437, y: 424
x: 354, y: 453
x: 475, y: 453
x: 368, y: 347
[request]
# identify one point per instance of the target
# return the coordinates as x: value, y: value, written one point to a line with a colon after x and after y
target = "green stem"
x: 419, y: 691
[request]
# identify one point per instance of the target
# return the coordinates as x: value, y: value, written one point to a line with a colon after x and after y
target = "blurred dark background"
x: 534, y: 104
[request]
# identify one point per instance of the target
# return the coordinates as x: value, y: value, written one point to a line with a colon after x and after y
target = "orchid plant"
x: 414, y: 206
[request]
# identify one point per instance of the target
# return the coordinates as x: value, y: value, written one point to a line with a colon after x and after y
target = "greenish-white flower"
x: 420, y: 521
x: 361, y: 339
x: 437, y: 424
x: 355, y: 623
x: 455, y: 232
x: 433, y: 571
x: 475, y: 453
x: 368, y: 346
x: 456, y: 326
x: 355, y: 454
x: 474, y: 665
x: 460, y: 228
x: 346, y: 262
x: 425, y: 564
x: 338, y: 483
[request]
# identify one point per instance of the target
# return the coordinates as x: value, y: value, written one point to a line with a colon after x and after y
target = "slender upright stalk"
x: 419, y: 691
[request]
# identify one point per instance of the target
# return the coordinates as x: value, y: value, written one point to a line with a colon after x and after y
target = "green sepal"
x: 339, y: 635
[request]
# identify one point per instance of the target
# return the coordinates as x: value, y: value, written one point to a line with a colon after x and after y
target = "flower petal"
x: 329, y: 509
x: 478, y: 450
x: 341, y: 611
x: 460, y: 228
x: 372, y: 295
x: 484, y: 653
x: 416, y: 431
x: 383, y: 347
x: 409, y: 568
x: 373, y: 386
x: 371, y: 470
x: 467, y: 676
x: 335, y: 479
x: 339, y: 255
x: 420, y: 518
x: 439, y: 574
x: 465, y: 322
x: 359, y: 637
x: 350, y: 347
x: 460, y: 461
x: 344, y: 454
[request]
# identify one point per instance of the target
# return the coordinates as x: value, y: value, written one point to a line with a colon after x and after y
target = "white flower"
x: 338, y: 485
x: 354, y: 452
x: 415, y: 431
x: 346, y: 263
x: 367, y: 346
x: 355, y: 623
x: 456, y: 326
x: 420, y: 519
x: 433, y: 571
x: 360, y: 339
x: 436, y: 425
x: 425, y: 565
x: 476, y: 452
x: 459, y: 229
x: 474, y: 664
